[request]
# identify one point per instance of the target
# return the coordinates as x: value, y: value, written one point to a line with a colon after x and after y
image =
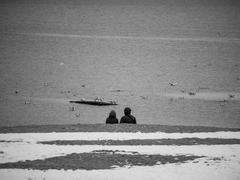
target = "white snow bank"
x: 20, y: 151
x: 34, y: 137
x: 28, y: 149
x: 225, y: 167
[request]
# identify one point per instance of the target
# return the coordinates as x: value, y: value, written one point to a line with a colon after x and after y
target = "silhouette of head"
x: 112, y: 114
x: 127, y: 111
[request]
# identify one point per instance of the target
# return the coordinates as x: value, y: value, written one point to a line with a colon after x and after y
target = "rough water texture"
x: 132, y: 51
x: 175, y: 62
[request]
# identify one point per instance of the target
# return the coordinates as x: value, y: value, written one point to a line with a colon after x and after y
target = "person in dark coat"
x: 128, y: 118
x: 112, y: 119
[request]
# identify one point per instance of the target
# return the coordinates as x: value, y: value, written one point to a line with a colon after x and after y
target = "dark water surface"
x: 129, y: 51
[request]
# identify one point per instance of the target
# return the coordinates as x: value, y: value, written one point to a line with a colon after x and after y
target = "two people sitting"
x: 127, y: 118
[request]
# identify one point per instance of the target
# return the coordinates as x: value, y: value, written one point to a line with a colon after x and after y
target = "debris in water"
x: 144, y: 97
x: 16, y: 91
x: 27, y: 101
x: 96, y: 102
x: 113, y: 102
x: 231, y: 95
x: 117, y: 90
x: 45, y: 84
x: 65, y: 92
x: 98, y: 99
x: 192, y: 93
x: 173, y: 83
x: 72, y: 108
x: 222, y: 104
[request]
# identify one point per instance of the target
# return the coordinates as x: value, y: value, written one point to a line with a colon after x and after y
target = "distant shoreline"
x: 112, y: 128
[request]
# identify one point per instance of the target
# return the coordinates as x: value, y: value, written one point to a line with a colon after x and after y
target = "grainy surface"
x: 100, y: 160
x: 183, y: 141
x: 128, y: 50
x: 112, y: 128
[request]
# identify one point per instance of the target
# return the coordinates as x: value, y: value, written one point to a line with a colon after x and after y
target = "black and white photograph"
x: 119, y: 89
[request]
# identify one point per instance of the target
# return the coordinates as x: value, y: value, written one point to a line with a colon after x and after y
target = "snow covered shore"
x: 219, y: 161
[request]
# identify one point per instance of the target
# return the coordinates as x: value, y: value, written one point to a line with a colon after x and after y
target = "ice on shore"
x: 28, y: 148
x: 24, y: 146
x: 34, y: 137
x: 225, y: 170
x: 14, y: 152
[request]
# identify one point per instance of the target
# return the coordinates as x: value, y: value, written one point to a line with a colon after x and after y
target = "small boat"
x: 95, y: 102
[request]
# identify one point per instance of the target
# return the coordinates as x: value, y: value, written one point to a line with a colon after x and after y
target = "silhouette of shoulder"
x: 111, y: 121
x: 128, y: 119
